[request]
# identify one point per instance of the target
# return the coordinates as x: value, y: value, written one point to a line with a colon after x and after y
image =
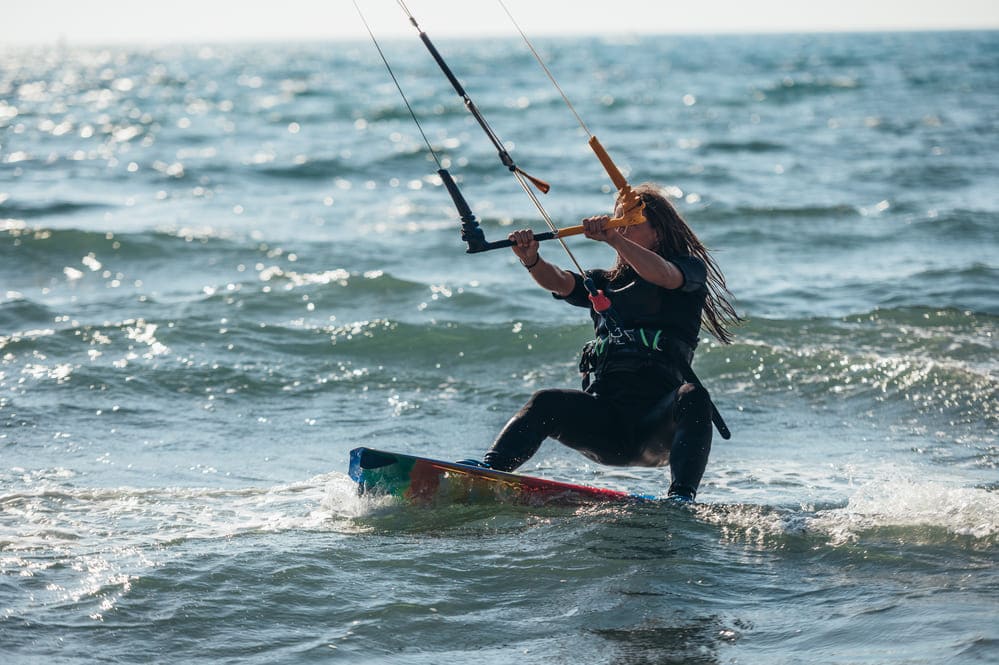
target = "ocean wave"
x: 439, y: 107
x: 38, y: 249
x: 18, y: 313
x: 98, y: 542
x: 790, y: 90
x: 308, y: 170
x: 963, y: 223
x: 938, y: 175
x: 914, y: 370
x: 933, y: 368
x: 13, y: 208
x: 751, y: 146
x: 974, y: 287
x: 722, y: 213
x: 42, y: 496
x: 174, y: 248
x: 242, y: 359
x: 947, y: 339
x: 894, y: 510
x: 279, y: 294
x: 939, y: 335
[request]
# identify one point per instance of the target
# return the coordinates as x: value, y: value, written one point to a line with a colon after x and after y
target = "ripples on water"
x: 223, y: 267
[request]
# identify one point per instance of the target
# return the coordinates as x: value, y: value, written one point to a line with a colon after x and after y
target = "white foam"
x: 93, y: 543
x: 915, y: 509
x: 902, y: 501
x: 49, y: 514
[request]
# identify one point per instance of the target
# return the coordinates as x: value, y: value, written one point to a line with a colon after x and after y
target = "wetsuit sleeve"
x: 695, y: 273
x: 578, y: 296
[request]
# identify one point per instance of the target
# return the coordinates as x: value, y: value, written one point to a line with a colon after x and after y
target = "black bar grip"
x: 499, y: 244
x: 471, y: 232
x: 459, y: 201
x: 443, y: 65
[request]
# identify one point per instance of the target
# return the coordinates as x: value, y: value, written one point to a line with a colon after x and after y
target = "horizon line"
x: 63, y: 41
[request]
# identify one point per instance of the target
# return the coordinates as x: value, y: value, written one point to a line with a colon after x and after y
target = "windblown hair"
x: 677, y: 239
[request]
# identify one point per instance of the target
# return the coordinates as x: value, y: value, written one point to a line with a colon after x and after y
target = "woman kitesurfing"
x: 641, y: 403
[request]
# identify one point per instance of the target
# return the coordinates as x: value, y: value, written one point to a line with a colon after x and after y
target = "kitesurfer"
x: 640, y: 404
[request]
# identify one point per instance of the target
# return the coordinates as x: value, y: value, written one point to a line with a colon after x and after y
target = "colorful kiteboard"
x: 423, y: 481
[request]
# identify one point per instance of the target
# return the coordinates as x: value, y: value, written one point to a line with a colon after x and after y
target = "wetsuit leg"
x: 691, y: 442
x: 577, y: 419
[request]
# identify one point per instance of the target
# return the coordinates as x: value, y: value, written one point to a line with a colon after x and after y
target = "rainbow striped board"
x: 423, y: 481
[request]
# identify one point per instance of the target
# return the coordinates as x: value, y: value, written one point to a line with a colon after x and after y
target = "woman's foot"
x: 474, y: 462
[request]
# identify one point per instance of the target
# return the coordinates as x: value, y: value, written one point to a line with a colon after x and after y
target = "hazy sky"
x: 131, y: 21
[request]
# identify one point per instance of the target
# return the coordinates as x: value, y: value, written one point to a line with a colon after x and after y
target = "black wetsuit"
x: 630, y: 412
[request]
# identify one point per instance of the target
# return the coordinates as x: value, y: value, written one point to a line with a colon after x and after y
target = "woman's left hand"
x: 594, y: 228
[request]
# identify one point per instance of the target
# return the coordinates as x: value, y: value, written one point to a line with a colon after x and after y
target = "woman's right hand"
x: 524, y: 246
x: 594, y: 228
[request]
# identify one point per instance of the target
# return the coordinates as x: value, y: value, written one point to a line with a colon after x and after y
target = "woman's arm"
x: 649, y: 265
x: 548, y: 276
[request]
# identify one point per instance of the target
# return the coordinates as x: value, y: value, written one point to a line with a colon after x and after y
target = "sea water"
x: 223, y: 267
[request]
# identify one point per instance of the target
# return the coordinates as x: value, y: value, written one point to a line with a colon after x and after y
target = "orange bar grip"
x: 634, y: 216
x: 609, y: 166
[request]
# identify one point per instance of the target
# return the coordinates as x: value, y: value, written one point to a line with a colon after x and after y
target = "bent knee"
x: 546, y: 400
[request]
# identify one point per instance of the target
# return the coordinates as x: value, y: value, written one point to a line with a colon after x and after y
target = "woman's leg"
x: 577, y: 419
x: 691, y: 442
x: 677, y: 429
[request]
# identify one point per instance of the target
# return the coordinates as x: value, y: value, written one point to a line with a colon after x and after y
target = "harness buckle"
x: 619, y: 335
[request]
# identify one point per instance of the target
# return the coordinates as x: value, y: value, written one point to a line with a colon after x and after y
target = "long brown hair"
x: 675, y: 238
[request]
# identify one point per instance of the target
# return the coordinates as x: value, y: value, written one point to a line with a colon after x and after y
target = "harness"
x: 647, y: 345
x: 636, y: 343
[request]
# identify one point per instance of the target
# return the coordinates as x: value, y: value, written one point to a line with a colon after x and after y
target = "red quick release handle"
x: 601, y: 303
